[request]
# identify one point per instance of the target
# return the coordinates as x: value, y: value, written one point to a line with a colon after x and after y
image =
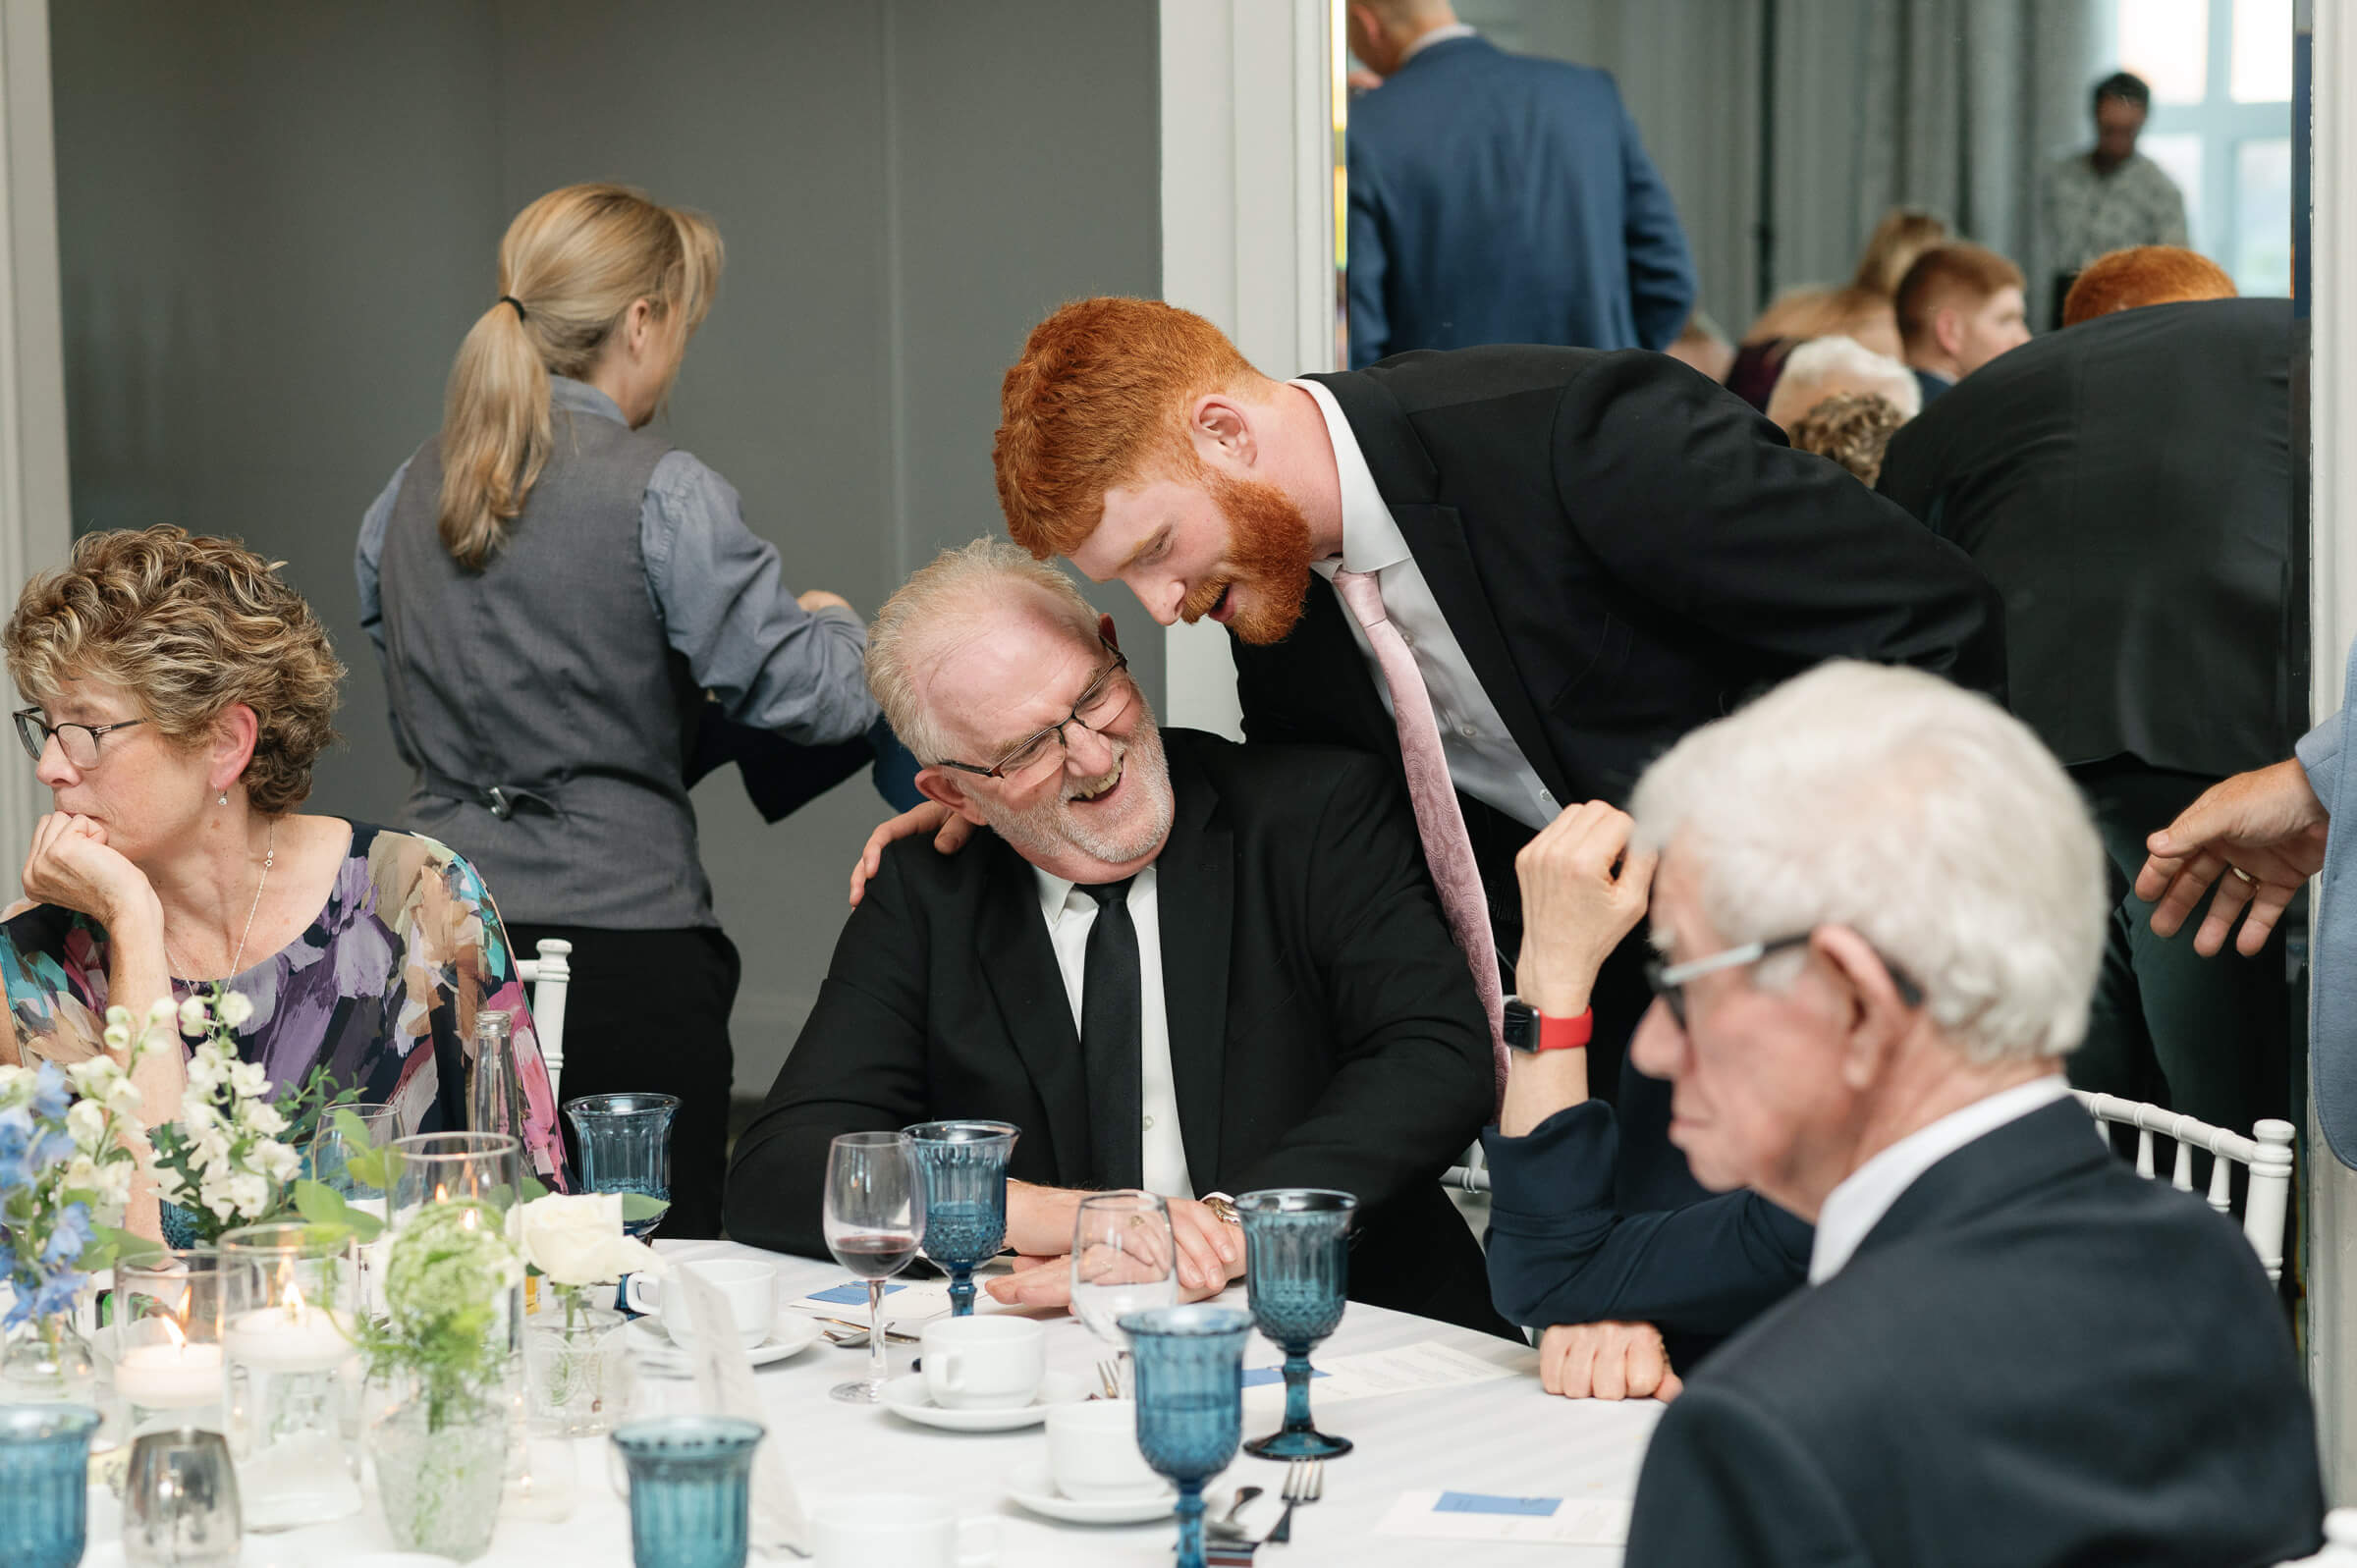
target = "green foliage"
x: 449, y: 1268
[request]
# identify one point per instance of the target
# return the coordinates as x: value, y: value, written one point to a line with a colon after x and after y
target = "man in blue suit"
x: 1496, y: 198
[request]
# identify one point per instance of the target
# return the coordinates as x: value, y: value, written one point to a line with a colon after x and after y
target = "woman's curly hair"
x: 190, y: 625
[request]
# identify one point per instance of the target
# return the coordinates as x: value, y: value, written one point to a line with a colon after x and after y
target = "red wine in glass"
x: 875, y: 1220
x: 874, y: 1254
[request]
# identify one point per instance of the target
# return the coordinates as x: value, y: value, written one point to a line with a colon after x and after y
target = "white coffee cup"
x: 984, y: 1363
x: 899, y: 1530
x: 750, y: 1287
x: 1093, y: 1453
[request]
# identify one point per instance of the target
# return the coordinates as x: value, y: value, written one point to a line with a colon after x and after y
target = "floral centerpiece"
x: 437, y: 1368
x: 577, y: 1368
x: 64, y: 1177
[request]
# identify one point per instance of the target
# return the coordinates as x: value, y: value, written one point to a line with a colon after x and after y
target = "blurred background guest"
x: 2147, y: 275
x: 1860, y: 309
x: 1959, y: 306
x: 1828, y: 367
x: 1498, y: 199
x: 2126, y: 485
x: 2109, y: 197
x: 552, y: 591
x: 1853, y: 428
x: 181, y: 694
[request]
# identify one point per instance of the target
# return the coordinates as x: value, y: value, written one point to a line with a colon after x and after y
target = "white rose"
x: 577, y: 1239
x: 194, y: 1017
x: 236, y: 1010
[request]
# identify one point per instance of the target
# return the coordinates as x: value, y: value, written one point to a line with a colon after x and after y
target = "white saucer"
x: 791, y: 1334
x: 1035, y: 1489
x: 907, y: 1397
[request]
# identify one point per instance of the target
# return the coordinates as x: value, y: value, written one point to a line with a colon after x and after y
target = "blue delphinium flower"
x: 16, y: 1135
x: 69, y: 1236
x: 51, y: 1146
x: 51, y: 1092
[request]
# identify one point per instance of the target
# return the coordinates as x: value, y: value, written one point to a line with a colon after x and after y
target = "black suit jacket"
x: 1625, y: 550
x: 2127, y: 486
x: 2036, y: 1358
x: 1323, y: 1029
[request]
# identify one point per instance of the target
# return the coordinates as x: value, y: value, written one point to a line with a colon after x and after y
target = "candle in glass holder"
x: 177, y: 1375
x: 293, y: 1337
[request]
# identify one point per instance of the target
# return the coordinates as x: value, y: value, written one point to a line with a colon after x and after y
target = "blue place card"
x: 1473, y: 1502
x: 1262, y: 1376
x: 851, y: 1293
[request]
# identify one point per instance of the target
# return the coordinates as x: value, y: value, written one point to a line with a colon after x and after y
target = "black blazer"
x: 2038, y: 1357
x: 1625, y: 550
x: 2127, y: 486
x: 1323, y: 1029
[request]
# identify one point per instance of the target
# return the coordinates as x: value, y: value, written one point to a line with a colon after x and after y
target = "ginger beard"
x: 1115, y: 831
x: 1268, y: 553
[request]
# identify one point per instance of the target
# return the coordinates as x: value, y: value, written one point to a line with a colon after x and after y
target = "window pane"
x: 2263, y: 215
x: 2179, y: 156
x: 2167, y: 43
x: 2262, y: 67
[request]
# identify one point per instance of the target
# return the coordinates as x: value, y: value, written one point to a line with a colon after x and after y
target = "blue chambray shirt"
x: 719, y: 591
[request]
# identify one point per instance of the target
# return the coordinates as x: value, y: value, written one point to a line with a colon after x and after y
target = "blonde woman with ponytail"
x: 552, y: 589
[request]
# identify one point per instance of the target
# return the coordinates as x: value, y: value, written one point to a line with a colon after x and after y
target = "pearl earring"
x: 224, y: 797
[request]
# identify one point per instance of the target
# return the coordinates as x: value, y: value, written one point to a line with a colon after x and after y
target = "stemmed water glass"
x: 624, y: 1141
x: 875, y: 1220
x: 964, y: 1168
x: 1296, y: 1268
x: 1191, y: 1401
x: 1123, y: 1261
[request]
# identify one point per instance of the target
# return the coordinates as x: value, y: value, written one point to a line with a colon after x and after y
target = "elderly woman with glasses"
x: 182, y: 692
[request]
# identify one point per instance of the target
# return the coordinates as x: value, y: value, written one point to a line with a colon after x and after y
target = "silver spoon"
x: 1226, y: 1524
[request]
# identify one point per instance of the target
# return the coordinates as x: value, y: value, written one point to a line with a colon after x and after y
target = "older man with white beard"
x: 1879, y: 909
x: 1175, y: 963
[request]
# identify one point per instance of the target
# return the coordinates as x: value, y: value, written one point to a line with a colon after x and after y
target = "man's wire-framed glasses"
x: 80, y: 743
x: 1101, y: 706
x: 1668, y: 980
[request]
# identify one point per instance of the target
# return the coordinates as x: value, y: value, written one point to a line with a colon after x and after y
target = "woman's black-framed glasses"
x: 1101, y: 705
x: 80, y: 743
x: 1668, y: 980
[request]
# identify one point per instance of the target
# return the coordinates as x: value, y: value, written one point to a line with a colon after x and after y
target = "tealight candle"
x: 175, y: 1376
x: 277, y: 1339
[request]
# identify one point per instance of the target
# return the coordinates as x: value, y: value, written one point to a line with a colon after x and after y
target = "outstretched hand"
x: 2268, y: 825
x: 1582, y: 892
x: 950, y: 834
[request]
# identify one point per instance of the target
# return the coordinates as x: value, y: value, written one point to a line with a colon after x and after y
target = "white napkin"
x: 724, y: 1385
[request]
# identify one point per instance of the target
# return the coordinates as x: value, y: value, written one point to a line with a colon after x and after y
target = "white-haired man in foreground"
x: 1879, y: 908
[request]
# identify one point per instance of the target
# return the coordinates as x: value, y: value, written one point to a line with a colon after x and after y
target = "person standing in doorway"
x: 552, y: 590
x: 2109, y: 197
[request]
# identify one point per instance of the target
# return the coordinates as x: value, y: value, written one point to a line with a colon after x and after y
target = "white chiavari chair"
x: 2266, y: 1155
x: 548, y: 976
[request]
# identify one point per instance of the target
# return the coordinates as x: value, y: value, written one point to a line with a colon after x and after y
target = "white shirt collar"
x: 1854, y: 1208
x: 1056, y: 892
x: 1455, y: 30
x: 1371, y: 536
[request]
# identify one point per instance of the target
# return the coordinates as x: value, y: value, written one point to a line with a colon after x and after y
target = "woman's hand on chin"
x: 70, y: 865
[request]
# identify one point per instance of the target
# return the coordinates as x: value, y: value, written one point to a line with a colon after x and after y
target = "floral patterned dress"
x: 381, y: 990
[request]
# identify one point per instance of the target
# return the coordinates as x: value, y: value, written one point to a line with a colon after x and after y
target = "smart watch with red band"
x: 1529, y: 1030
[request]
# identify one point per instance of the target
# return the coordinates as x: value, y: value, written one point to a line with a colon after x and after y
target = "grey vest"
x: 548, y: 716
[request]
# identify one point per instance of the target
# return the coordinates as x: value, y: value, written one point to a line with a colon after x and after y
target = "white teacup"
x: 1093, y: 1453
x: 984, y: 1363
x: 899, y: 1530
x: 750, y: 1287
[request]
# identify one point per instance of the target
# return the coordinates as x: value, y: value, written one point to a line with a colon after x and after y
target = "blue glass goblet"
x: 44, y: 1484
x: 1190, y: 1400
x: 625, y: 1148
x: 690, y: 1486
x: 964, y: 1167
x: 1296, y: 1268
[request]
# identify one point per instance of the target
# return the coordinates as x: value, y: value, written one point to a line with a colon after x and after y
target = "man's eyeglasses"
x: 80, y: 743
x: 1668, y: 980
x: 1100, y: 707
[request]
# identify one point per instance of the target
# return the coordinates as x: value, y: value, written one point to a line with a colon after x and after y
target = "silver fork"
x: 1304, y: 1481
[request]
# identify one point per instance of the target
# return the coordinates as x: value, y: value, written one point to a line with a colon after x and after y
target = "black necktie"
x: 1108, y: 1040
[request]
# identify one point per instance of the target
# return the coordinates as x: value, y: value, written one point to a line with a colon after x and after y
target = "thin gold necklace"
x: 269, y: 859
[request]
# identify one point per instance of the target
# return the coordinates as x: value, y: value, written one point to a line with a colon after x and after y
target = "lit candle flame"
x: 296, y: 1312
x: 441, y: 1192
x: 180, y: 1341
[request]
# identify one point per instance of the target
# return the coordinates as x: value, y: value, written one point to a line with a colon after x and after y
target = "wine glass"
x: 964, y: 1167
x: 625, y: 1147
x: 1297, y: 1266
x: 875, y: 1217
x: 1123, y: 1261
x: 1191, y: 1401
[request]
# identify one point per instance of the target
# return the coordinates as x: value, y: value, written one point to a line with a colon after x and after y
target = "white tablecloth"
x: 1502, y: 1438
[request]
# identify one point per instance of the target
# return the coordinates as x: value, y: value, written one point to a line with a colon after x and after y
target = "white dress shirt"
x: 1439, y: 34
x: 1854, y: 1208
x: 1070, y: 915
x: 1484, y: 760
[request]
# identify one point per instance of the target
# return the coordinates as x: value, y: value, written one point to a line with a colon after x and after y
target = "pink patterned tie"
x: 1439, y: 822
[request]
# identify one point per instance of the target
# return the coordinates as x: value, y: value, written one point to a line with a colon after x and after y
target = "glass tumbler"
x: 964, y: 1170
x: 625, y: 1147
x: 293, y: 1387
x: 690, y: 1483
x: 1297, y: 1270
x: 44, y: 1484
x: 1191, y: 1401
x: 167, y: 1338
